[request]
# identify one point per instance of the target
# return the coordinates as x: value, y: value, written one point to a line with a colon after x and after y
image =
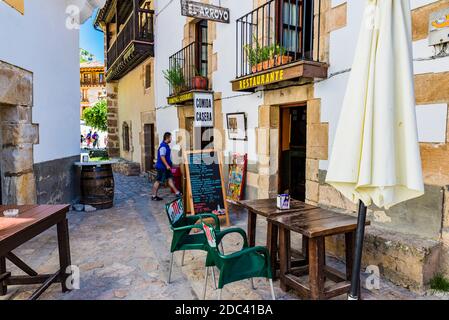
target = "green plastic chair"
x: 248, y: 263
x: 181, y: 226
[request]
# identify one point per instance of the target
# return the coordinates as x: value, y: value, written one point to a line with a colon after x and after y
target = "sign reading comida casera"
x: 204, y: 11
x: 204, y: 109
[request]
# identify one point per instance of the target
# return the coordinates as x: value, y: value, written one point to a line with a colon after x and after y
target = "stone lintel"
x: 16, y: 85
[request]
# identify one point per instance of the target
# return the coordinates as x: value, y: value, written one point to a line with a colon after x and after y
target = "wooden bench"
x: 314, y: 225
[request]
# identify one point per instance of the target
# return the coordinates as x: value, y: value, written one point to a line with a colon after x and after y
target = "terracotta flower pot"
x: 283, y: 60
x: 199, y: 83
x: 257, y: 68
x: 271, y: 63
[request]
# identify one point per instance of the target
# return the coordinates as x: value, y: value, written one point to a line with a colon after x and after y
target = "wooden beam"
x: 44, y: 286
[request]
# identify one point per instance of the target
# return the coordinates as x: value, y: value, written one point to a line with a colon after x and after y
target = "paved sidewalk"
x: 123, y: 253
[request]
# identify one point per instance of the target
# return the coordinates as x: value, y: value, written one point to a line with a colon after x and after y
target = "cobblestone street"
x: 123, y: 253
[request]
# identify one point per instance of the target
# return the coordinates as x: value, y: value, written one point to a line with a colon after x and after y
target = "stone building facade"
x: 408, y: 242
x: 92, y: 83
x: 39, y: 101
x: 130, y: 85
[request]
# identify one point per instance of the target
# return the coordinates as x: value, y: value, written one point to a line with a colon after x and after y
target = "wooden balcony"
x: 134, y: 43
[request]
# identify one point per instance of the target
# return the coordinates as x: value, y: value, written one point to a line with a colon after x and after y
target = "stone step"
x: 127, y: 168
x: 405, y: 260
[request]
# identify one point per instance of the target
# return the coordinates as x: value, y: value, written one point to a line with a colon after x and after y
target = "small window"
x: 19, y: 5
x: 125, y: 136
x: 202, y: 48
x: 147, y: 76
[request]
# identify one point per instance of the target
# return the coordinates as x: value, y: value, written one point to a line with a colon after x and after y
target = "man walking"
x: 163, y: 167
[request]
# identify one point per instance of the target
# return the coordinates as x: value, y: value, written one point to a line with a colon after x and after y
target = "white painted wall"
x: 39, y: 42
x: 232, y: 102
x: 169, y: 33
x: 342, y: 48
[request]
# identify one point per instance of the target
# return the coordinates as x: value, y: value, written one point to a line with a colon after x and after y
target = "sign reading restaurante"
x: 204, y: 11
x: 261, y: 79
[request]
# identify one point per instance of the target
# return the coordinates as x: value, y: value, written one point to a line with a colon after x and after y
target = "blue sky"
x: 91, y: 39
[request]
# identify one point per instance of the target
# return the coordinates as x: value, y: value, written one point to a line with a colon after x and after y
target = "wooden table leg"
x: 316, y: 267
x: 252, y: 221
x: 305, y: 249
x: 349, y: 256
x: 284, y: 256
x: 3, y: 286
x: 272, y: 245
x: 64, y: 252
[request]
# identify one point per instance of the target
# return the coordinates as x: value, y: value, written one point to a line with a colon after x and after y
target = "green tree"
x: 96, y: 116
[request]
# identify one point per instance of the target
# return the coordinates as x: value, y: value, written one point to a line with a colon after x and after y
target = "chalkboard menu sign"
x: 205, y: 183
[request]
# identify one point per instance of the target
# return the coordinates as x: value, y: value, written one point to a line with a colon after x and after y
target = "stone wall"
x: 127, y: 168
x: 57, y: 181
x: 113, y: 121
x: 18, y: 135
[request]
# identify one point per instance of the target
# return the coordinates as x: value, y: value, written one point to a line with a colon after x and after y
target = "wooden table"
x: 267, y: 208
x: 32, y: 221
x: 314, y: 225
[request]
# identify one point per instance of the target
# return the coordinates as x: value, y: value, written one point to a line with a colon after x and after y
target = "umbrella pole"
x: 360, y: 234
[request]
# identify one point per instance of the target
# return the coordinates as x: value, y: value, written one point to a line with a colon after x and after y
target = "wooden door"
x: 292, y: 164
x: 149, y: 146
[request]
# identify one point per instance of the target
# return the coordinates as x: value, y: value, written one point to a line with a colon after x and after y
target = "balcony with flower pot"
x: 278, y: 42
x: 185, y: 75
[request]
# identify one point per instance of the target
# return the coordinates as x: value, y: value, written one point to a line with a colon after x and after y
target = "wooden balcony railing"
x: 139, y: 27
x: 90, y: 83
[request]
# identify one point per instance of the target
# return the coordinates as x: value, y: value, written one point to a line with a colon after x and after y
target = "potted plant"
x: 280, y: 56
x: 175, y: 77
x: 263, y: 58
x: 253, y: 54
x: 199, y: 82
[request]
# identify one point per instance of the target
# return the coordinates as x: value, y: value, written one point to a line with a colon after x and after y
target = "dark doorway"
x: 149, y: 146
x: 293, y: 141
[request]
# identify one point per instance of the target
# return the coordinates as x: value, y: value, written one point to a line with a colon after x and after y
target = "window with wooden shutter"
x: 125, y: 137
x: 147, y: 76
x: 19, y: 5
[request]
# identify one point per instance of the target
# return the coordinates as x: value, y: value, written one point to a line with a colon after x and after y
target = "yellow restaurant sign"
x: 180, y: 98
x: 261, y: 80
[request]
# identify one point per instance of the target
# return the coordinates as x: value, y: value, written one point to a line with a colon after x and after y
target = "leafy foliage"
x: 96, y: 116
x: 175, y: 77
x: 86, y: 56
x: 439, y: 283
x: 257, y: 54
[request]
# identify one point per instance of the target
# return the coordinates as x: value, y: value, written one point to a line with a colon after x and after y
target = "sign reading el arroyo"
x: 204, y: 11
x: 203, y: 104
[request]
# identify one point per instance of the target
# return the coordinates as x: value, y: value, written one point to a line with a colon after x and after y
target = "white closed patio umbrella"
x: 375, y: 157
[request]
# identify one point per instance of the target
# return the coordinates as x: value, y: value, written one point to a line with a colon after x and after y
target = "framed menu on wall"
x: 205, y: 183
x: 236, y: 126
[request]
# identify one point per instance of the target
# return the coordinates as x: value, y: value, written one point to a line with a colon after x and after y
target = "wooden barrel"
x: 97, y: 186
